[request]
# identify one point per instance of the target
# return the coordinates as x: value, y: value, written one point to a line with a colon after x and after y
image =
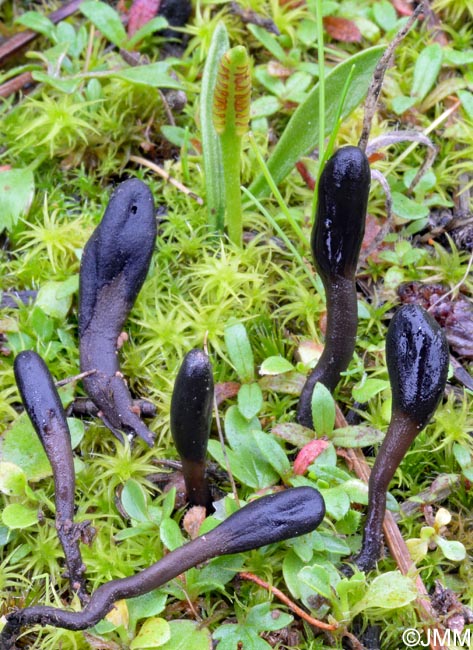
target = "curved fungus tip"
x: 417, y: 361
x: 341, y: 212
x: 272, y: 518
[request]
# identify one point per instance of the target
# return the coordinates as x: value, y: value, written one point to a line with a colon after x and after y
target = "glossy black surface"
x: 191, y: 406
x: 341, y: 212
x: 417, y: 360
x: 336, y: 241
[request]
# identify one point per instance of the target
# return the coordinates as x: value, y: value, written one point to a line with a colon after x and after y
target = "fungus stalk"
x: 44, y: 408
x: 417, y: 361
x: 266, y: 520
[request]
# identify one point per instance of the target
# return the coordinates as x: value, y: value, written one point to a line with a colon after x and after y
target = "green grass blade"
x: 283, y: 236
x: 302, y: 132
x: 211, y: 148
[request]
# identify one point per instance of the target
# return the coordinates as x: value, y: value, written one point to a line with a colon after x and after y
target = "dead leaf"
x: 403, y: 7
x: 193, y: 520
x: 141, y: 12
x: 226, y: 390
x: 308, y: 454
x: 342, y: 29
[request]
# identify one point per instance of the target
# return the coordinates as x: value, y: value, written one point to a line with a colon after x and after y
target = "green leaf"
x: 174, y: 134
x: 452, y: 549
x: 385, y: 15
x: 153, y: 633
x: 337, y: 502
x: 272, y: 452
x: 323, y: 410
x: 390, y: 590
x: 20, y: 445
x: 16, y: 194
x: 262, y: 619
x: 268, y: 41
x: 12, y: 479
x: 408, y: 209
x: 293, y: 433
x: 211, y: 147
x: 250, y: 400
x: 106, y: 20
x: 275, y: 366
x: 17, y: 515
x: 238, y: 429
x: 466, y: 99
x: 239, y: 349
x: 426, y: 70
x: 318, y: 579
x: 264, y: 107
x: 38, y: 23
x: 153, y: 25
x: 302, y: 132
x: 170, y: 534
x: 55, y: 298
x: 401, y: 104
x: 77, y: 431
x: 134, y: 501
x: 183, y: 631
x: 356, y: 436
x: 368, y: 389
x: 153, y: 75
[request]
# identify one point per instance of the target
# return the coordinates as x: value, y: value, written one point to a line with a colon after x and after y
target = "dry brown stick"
x: 287, y: 601
x: 14, y: 85
x: 378, y: 78
x: 393, y: 537
x: 21, y: 39
x: 167, y: 177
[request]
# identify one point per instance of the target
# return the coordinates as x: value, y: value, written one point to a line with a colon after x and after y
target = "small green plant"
x: 231, y: 114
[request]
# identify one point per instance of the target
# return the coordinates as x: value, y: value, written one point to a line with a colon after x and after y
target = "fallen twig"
x: 164, y: 174
x: 21, y: 39
x: 287, y: 601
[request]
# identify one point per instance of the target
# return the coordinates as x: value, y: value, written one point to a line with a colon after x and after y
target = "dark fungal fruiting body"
x: 44, y: 408
x: 270, y: 519
x: 113, y: 268
x: 336, y: 241
x: 191, y: 417
x: 417, y: 361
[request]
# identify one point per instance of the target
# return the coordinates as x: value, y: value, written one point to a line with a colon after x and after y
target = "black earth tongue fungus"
x: 417, y: 361
x: 336, y: 240
x: 44, y: 408
x: 191, y: 418
x: 113, y: 268
x: 266, y: 520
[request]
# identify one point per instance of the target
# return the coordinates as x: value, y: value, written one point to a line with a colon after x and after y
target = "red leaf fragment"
x: 141, y: 12
x: 308, y: 454
x: 403, y: 7
x: 342, y: 29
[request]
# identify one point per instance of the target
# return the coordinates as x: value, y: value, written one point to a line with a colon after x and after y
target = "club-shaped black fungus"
x: 269, y: 519
x: 44, y: 408
x: 191, y: 417
x: 417, y: 361
x: 113, y: 268
x: 336, y: 241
